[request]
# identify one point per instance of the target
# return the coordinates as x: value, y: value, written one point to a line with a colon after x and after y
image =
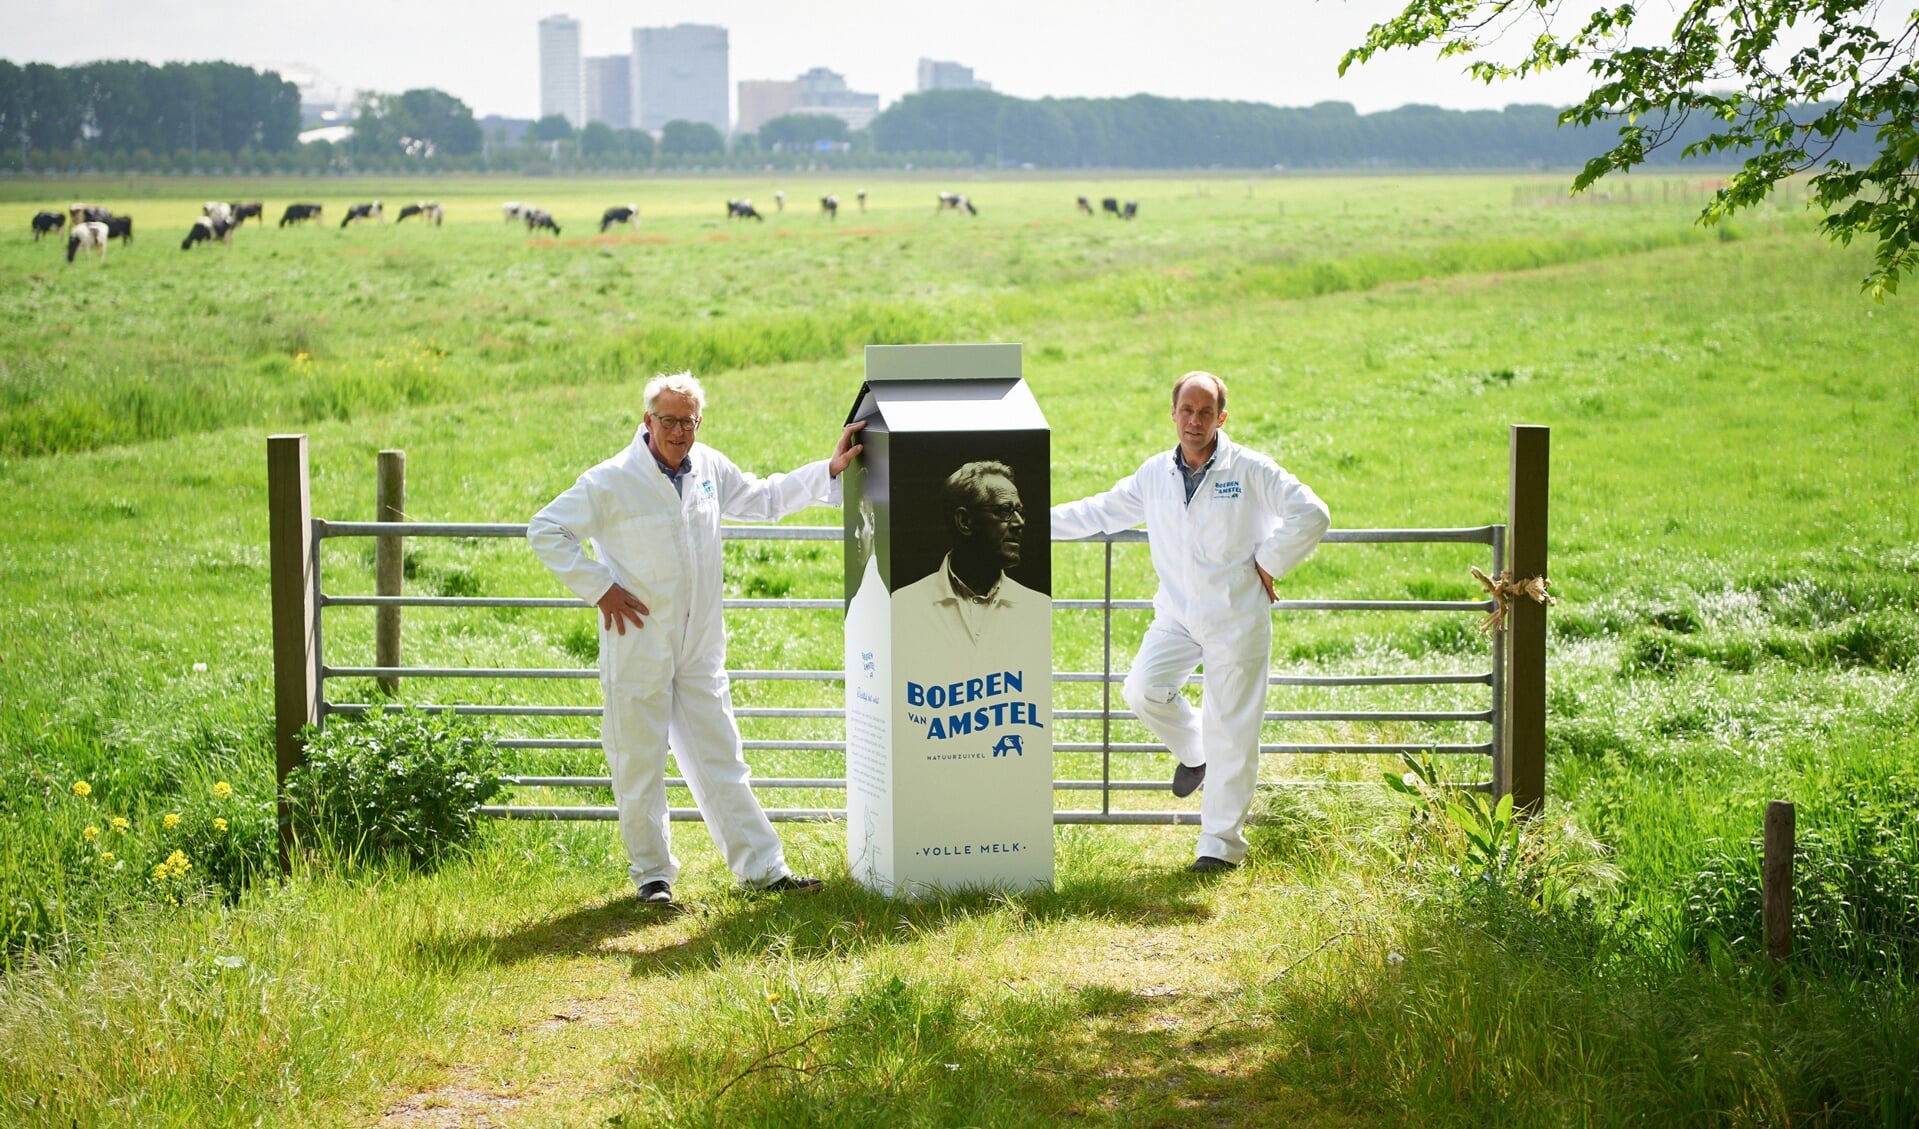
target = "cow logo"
x: 1009, y: 743
x: 706, y: 487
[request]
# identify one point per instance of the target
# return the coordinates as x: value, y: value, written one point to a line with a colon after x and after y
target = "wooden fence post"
x: 389, y: 564
x: 296, y: 621
x: 1775, y: 881
x: 1524, y: 747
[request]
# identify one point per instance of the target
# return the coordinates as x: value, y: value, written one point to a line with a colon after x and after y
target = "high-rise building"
x: 938, y: 75
x: 609, y: 90
x: 562, y: 80
x: 679, y: 74
x: 818, y: 91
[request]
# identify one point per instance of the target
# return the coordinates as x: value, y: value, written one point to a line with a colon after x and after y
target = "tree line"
x: 222, y: 118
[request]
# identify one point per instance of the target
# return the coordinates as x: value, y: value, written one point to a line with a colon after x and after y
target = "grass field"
x: 1735, y: 545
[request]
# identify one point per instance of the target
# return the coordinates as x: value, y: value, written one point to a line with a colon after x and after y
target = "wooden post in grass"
x: 1524, y: 747
x: 1775, y: 882
x: 389, y: 564
x: 296, y: 619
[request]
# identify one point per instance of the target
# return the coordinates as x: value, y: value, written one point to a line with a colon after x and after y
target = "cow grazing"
x: 537, y: 218
x: 956, y: 202
x: 206, y: 229
x: 370, y: 211
x: 830, y: 207
x: 1132, y: 209
x: 90, y: 235
x: 121, y: 228
x: 1085, y: 207
x: 253, y: 210
x: 742, y: 210
x: 87, y: 213
x: 300, y: 213
x: 218, y: 211
x: 46, y: 223
x: 1110, y: 204
x: 628, y: 214
x: 428, y: 210
x: 779, y: 201
x: 862, y: 199
x: 513, y: 210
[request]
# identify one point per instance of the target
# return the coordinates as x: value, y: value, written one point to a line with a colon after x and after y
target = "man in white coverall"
x: 653, y: 513
x: 1222, y: 523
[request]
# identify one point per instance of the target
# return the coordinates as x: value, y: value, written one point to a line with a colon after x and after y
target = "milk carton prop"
x: 949, y: 628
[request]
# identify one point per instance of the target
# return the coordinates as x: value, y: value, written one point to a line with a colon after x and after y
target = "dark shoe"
x: 656, y: 893
x: 793, y: 884
x: 1207, y: 864
x: 1185, y: 780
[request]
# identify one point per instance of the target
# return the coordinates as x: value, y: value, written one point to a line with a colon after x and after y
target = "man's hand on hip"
x: 1266, y: 582
x: 618, y: 606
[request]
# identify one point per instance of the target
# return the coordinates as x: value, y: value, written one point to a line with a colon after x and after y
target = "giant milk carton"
x: 949, y: 705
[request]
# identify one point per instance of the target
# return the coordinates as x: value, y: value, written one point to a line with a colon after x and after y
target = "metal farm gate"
x: 1512, y: 716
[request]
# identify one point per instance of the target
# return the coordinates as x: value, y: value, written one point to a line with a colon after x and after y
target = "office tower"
x: 609, y: 90
x: 938, y: 75
x: 562, y: 85
x: 679, y: 74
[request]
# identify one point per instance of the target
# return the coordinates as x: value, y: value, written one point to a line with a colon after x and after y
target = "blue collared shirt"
x: 1191, y: 477
x: 676, y: 475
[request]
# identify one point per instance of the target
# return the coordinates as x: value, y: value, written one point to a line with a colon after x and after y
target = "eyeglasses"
x: 1003, y: 511
x: 675, y: 423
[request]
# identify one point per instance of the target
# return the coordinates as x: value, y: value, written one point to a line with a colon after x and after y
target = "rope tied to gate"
x: 1502, y: 588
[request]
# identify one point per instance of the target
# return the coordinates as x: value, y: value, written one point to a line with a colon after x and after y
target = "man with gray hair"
x: 969, y: 601
x: 652, y: 514
x: 1223, y: 524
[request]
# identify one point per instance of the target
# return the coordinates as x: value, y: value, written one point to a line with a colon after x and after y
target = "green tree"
x: 597, y: 139
x: 553, y: 127
x: 418, y: 123
x: 1783, y: 81
x: 690, y: 139
x: 802, y: 130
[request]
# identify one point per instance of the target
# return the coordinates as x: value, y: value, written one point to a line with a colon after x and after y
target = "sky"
x: 485, y: 52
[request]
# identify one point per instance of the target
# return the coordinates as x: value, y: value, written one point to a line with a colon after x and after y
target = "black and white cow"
x: 513, y: 210
x: 90, y: 235
x: 87, y: 213
x: 862, y: 199
x: 1084, y: 206
x: 1110, y: 204
x: 620, y: 213
x: 428, y: 210
x: 219, y: 211
x: 955, y: 202
x: 300, y: 213
x: 743, y: 210
x: 370, y: 211
x: 1132, y: 209
x: 121, y: 228
x: 537, y: 218
x: 206, y: 229
x: 252, y: 210
x: 47, y: 223
x: 830, y: 207
x: 779, y: 200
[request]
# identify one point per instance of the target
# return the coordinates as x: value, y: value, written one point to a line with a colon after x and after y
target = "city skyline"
x: 1279, y: 54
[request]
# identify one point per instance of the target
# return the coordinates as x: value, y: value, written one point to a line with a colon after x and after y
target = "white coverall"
x: 1210, y: 608
x: 666, y: 683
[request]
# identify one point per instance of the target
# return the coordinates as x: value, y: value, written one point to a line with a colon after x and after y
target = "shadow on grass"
x: 843, y: 918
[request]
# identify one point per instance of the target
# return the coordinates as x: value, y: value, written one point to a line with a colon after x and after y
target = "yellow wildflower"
x: 222, y: 790
x: 219, y: 824
x: 91, y: 832
x: 106, y: 856
x: 121, y: 824
x: 171, y: 821
x: 82, y: 788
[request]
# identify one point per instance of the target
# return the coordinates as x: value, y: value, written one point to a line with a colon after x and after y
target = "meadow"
x: 1735, y: 547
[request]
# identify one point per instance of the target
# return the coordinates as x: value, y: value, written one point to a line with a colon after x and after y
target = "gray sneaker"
x: 1186, y: 780
x: 656, y: 893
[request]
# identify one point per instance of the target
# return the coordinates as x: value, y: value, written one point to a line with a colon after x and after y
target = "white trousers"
x: 693, y: 714
x: 1223, y: 734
